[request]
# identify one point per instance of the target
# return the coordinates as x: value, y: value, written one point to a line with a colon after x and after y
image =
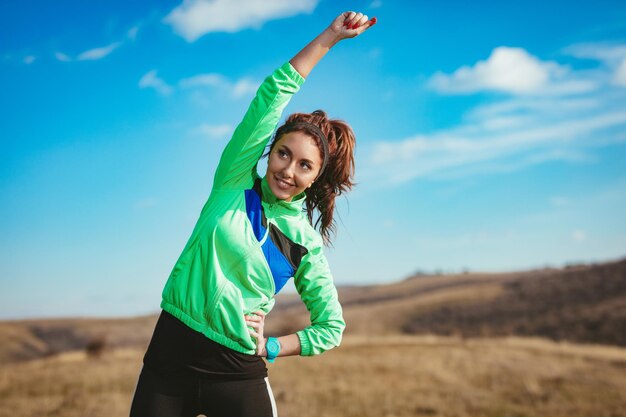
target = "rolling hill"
x: 581, y: 303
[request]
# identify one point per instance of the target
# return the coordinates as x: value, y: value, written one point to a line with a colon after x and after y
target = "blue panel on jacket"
x: 277, y: 261
x: 255, y: 213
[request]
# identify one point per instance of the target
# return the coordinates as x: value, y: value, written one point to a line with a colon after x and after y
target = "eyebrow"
x: 291, y: 153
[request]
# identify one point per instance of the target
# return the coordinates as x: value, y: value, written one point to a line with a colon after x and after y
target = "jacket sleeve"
x: 237, y: 166
x: 314, y: 283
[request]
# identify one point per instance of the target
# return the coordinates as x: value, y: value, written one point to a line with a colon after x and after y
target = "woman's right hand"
x: 256, y: 320
x: 351, y: 24
x: 346, y: 25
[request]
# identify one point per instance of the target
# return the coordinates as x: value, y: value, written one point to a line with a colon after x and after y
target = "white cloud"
x: 607, y: 52
x: 240, y: 88
x: 194, y: 18
x: 504, y: 122
x: 619, y: 77
x: 611, y: 54
x: 459, y: 141
x: 132, y: 33
x: 244, y: 87
x: 214, y: 131
x: 510, y: 134
x: 506, y: 69
x: 29, y: 59
x: 98, y: 53
x: 62, y: 57
x: 151, y: 80
x: 526, y: 105
x: 514, y: 71
x: 211, y: 79
x: 469, y: 149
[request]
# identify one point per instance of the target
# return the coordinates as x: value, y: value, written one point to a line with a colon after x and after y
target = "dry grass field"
x: 397, y: 376
x: 546, y: 342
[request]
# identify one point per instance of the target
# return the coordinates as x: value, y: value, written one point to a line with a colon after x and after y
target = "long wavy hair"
x: 338, y: 175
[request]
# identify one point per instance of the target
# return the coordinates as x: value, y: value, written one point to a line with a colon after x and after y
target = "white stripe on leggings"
x: 269, y: 390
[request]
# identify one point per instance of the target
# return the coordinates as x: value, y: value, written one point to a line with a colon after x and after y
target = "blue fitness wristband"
x: 272, y: 346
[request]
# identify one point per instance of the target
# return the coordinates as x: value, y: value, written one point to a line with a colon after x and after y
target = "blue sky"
x: 491, y: 137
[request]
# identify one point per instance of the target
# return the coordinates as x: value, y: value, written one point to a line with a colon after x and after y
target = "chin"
x: 281, y: 196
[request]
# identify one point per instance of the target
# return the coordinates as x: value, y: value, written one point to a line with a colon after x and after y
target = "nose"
x: 288, y: 170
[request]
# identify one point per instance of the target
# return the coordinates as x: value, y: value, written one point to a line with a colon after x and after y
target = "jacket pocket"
x: 227, y: 316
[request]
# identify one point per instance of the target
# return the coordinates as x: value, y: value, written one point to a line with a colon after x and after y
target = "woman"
x: 205, y: 356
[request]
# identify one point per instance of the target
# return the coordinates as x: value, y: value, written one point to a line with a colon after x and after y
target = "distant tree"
x: 96, y: 346
x: 574, y: 264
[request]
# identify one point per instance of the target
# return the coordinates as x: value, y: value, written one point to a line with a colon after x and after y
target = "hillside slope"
x: 585, y: 303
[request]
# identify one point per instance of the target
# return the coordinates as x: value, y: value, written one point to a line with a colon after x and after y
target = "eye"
x: 306, y: 166
x: 281, y: 153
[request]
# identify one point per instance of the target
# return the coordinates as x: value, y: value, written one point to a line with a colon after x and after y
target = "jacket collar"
x: 294, y: 206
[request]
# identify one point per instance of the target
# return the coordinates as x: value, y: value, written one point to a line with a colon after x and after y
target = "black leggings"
x: 165, y: 396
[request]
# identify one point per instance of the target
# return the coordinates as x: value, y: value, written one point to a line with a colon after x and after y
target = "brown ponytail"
x: 338, y: 175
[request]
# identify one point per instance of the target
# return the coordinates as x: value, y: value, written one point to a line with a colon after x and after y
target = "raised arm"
x: 346, y: 25
x: 237, y: 166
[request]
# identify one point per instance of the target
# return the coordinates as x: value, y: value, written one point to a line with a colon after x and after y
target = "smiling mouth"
x: 283, y: 182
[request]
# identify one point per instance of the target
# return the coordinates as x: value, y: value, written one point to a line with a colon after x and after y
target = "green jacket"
x: 246, y: 243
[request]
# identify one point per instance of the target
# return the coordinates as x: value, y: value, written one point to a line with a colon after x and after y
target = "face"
x: 293, y: 165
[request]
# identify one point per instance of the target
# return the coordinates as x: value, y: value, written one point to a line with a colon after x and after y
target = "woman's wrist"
x: 346, y: 25
x: 329, y: 38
